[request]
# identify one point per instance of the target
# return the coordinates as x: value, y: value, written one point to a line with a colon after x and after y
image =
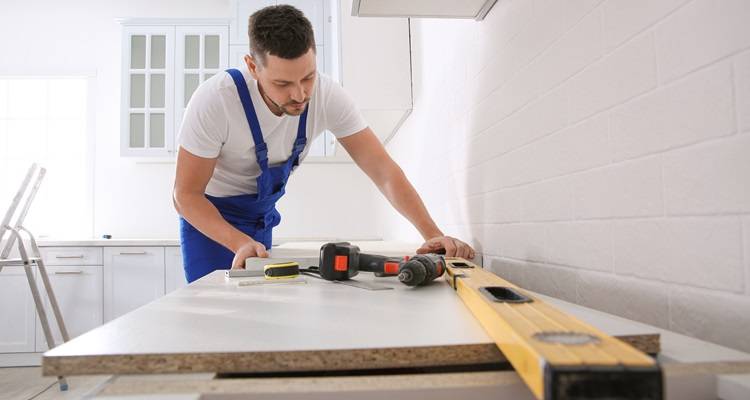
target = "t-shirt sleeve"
x: 204, y: 126
x: 343, y: 118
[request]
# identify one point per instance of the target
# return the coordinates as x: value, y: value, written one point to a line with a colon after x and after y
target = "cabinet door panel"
x: 147, y: 111
x: 17, y: 314
x: 78, y: 290
x: 175, y: 272
x: 200, y: 53
x: 133, y: 276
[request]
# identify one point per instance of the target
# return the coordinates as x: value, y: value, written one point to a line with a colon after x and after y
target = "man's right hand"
x: 247, y: 250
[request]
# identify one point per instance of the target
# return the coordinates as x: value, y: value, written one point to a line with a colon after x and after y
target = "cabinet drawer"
x: 72, y: 255
x: 146, y: 256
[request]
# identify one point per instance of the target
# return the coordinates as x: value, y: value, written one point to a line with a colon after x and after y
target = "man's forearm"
x: 405, y: 199
x: 204, y: 216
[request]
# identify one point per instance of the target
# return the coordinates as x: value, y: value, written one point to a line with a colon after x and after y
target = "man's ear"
x: 253, y: 65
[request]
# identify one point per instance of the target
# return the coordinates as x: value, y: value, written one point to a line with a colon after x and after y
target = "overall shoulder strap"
x: 301, y: 141
x: 261, y: 150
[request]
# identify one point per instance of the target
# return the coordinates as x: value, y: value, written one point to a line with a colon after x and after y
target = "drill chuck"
x: 412, y: 273
x: 421, y: 269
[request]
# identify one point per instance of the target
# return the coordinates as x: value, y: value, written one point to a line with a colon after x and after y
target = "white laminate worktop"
x: 216, y: 315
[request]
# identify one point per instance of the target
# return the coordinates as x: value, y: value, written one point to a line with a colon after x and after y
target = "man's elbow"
x: 178, y: 200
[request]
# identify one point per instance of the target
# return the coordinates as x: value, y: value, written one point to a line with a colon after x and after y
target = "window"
x: 44, y: 120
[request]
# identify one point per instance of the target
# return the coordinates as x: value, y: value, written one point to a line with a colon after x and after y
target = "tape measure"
x: 286, y: 270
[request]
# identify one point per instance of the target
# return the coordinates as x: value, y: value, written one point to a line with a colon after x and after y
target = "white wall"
x: 597, y: 151
x: 132, y: 198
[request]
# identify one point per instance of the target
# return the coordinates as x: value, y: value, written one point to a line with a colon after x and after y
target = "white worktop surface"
x: 216, y: 315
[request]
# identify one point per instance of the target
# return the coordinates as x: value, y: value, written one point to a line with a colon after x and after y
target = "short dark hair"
x: 282, y: 31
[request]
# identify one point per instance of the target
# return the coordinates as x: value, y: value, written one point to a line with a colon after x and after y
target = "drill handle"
x: 380, y: 265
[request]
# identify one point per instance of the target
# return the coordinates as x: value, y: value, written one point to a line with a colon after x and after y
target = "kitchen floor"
x: 28, y: 383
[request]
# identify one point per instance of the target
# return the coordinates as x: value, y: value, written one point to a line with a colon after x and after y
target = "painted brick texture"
x: 596, y: 151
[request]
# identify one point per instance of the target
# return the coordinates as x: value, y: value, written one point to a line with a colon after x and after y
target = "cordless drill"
x: 342, y: 261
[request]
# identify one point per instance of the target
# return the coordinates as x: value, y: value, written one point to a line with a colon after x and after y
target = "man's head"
x: 282, y: 57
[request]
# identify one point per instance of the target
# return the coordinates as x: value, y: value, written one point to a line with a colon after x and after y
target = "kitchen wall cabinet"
x: 163, y: 62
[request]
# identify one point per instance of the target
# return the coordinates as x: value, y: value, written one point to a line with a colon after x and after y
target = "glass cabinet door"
x: 148, y: 90
x: 201, y: 53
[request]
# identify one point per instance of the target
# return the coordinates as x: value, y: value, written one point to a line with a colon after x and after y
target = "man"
x: 245, y: 131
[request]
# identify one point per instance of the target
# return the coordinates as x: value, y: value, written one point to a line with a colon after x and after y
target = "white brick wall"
x: 624, y: 19
x: 597, y: 151
x: 746, y: 237
x: 697, y: 108
x: 576, y: 49
x: 698, y: 251
x: 701, y: 33
x: 629, y: 297
x: 742, y: 76
x: 594, y: 89
x: 547, y: 201
x: 629, y: 189
x: 708, y: 178
x: 712, y: 315
x: 580, y: 244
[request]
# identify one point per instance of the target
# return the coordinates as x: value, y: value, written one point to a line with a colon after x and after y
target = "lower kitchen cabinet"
x: 17, y: 314
x: 92, y: 284
x: 133, y: 276
x: 78, y: 290
x: 173, y: 269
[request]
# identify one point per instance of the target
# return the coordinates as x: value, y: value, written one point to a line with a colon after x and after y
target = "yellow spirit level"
x: 558, y: 356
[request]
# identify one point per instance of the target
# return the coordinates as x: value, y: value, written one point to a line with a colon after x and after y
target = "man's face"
x: 288, y: 84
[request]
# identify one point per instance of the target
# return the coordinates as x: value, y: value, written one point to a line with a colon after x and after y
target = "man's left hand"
x: 452, y: 246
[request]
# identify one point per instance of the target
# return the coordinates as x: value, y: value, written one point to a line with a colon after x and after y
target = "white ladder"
x: 27, y: 260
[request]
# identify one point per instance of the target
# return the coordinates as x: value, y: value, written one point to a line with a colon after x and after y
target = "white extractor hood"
x: 476, y: 9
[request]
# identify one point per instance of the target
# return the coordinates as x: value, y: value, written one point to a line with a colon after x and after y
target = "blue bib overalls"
x: 253, y: 214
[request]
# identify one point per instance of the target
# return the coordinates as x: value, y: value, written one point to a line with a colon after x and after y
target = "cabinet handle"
x: 133, y: 253
x: 68, y: 272
x: 79, y: 256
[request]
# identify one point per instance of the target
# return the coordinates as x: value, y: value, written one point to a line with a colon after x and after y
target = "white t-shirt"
x: 215, y: 126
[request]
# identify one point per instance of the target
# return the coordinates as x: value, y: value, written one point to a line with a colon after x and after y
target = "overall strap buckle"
x: 261, y: 152
x: 299, y: 145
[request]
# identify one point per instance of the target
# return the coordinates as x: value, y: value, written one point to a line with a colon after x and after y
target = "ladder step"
x: 10, y: 262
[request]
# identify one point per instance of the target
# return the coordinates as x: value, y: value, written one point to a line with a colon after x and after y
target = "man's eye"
x: 281, y: 84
